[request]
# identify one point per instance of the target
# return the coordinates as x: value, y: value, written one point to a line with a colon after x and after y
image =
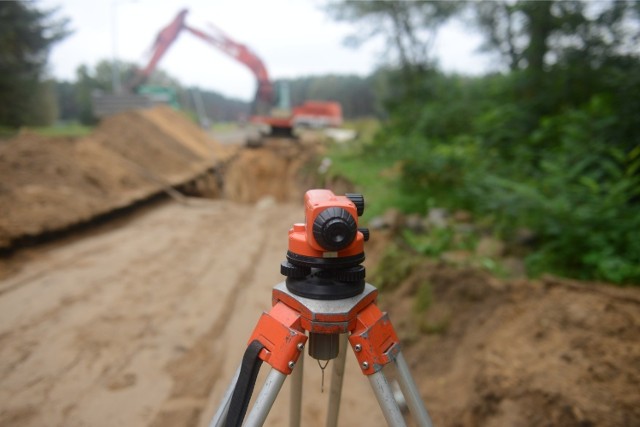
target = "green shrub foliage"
x: 571, y: 174
x: 552, y: 143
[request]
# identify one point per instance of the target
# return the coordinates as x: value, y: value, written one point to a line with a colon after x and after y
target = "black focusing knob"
x: 334, y: 229
x: 294, y: 271
x: 354, y: 274
x: 365, y: 233
x: 358, y: 200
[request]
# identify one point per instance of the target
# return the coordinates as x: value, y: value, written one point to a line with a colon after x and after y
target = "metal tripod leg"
x: 221, y: 414
x: 282, y: 333
x: 337, y: 375
x: 387, y: 403
x: 410, y: 392
x: 265, y: 399
x: 295, y: 408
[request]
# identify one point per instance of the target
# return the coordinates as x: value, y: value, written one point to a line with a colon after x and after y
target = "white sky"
x: 292, y: 37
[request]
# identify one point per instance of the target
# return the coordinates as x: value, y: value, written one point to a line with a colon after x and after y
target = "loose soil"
x: 143, y: 321
x: 276, y: 169
x: 490, y: 352
x: 50, y: 184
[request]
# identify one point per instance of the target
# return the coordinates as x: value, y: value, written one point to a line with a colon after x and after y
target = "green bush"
x: 583, y: 201
x: 560, y: 161
x: 394, y: 266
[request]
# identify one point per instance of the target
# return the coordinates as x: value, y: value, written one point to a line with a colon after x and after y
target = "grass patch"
x: 437, y: 328
x: 394, y: 267
x: 6, y: 133
x: 423, y: 299
x: 69, y: 129
x: 374, y: 176
x: 366, y: 127
x: 493, y: 266
x: 224, y: 126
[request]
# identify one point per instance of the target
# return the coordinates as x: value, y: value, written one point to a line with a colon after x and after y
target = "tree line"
x: 550, y: 141
x: 354, y: 93
x: 74, y: 98
x: 30, y: 97
x: 26, y: 36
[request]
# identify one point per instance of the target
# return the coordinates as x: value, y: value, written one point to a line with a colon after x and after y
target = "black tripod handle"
x: 244, y: 386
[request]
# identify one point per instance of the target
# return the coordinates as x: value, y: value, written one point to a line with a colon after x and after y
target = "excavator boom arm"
x: 216, y: 38
x: 161, y: 44
x: 238, y: 51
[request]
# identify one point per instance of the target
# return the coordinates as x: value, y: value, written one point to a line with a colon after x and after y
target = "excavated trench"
x: 143, y: 322
x: 53, y: 187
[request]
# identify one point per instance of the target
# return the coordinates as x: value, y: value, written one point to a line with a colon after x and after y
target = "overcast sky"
x: 292, y: 37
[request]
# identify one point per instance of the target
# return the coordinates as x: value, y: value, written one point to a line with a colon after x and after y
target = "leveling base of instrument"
x: 279, y: 339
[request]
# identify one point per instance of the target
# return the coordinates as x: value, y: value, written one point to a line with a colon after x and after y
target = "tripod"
x: 324, y: 295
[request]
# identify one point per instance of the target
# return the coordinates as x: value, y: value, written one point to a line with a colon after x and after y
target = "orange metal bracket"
x: 281, y: 333
x: 374, y: 340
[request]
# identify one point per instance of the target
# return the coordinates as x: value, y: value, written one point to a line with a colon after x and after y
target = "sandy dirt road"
x: 143, y: 322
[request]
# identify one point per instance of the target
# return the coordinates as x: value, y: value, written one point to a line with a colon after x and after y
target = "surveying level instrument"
x: 324, y: 294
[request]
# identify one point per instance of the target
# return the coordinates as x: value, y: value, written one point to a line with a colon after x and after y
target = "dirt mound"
x: 49, y: 184
x: 52, y: 183
x: 145, y: 144
x: 496, y: 353
x: 186, y: 132
x: 271, y: 170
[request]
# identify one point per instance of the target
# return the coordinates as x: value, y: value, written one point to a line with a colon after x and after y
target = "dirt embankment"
x: 144, y: 321
x: 276, y: 169
x: 49, y: 183
x: 551, y: 352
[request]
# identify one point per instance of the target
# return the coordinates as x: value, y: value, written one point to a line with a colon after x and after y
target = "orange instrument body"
x: 302, y: 240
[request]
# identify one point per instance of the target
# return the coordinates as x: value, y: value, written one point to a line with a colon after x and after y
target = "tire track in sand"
x: 196, y: 372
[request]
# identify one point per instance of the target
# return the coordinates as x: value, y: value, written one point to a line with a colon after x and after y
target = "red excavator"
x: 311, y: 113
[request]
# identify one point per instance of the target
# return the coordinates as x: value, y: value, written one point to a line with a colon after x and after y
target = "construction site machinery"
x: 280, y: 121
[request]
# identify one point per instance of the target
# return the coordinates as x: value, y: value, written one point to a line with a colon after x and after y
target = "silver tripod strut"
x: 337, y: 375
x: 387, y: 402
x: 295, y: 407
x: 265, y: 399
x: 410, y: 392
x: 221, y: 414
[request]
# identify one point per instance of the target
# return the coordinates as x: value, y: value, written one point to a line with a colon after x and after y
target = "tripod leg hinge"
x: 374, y: 340
x: 281, y: 334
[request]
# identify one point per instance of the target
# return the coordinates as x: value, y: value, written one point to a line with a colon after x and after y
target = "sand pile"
x: 49, y: 184
x: 490, y: 352
x: 273, y: 170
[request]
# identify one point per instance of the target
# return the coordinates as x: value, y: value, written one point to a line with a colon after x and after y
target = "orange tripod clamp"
x: 280, y: 332
x: 374, y: 340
